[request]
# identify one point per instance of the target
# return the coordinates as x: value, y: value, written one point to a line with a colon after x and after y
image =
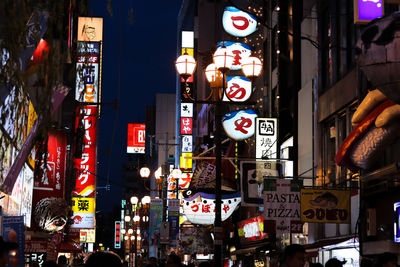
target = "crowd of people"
x: 292, y: 256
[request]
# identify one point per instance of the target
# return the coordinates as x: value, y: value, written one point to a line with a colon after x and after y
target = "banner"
x: 86, y: 125
x: 282, y: 203
x: 204, y: 175
x: 325, y: 206
x: 14, y: 231
x: 156, y: 208
x: 173, y: 219
x: 84, y: 212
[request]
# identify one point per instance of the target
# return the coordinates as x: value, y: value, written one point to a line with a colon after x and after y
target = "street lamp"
x: 251, y: 67
x: 127, y: 218
x: 144, y: 172
x: 136, y: 218
x: 214, y: 76
x: 185, y: 65
x: 130, y: 231
x: 123, y: 231
x: 134, y: 200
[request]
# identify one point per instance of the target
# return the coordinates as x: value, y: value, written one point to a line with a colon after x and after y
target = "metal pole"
x: 164, y: 193
x: 218, y: 223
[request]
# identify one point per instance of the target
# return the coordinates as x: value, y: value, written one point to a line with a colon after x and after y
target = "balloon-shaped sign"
x: 240, y: 52
x: 238, y: 89
x: 239, y: 125
x: 238, y: 23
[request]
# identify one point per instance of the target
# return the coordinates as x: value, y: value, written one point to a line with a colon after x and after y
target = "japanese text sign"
x: 239, y: 125
x: 186, y: 110
x: 325, y: 206
x: 238, y: 89
x: 237, y: 22
x: 252, y: 229
x: 83, y: 204
x: 204, y: 175
x: 186, y: 125
x: 266, y: 138
x: 186, y: 161
x: 136, y: 138
x: 282, y: 202
x: 185, y: 179
x: 240, y: 52
x: 86, y: 165
x: 187, y: 143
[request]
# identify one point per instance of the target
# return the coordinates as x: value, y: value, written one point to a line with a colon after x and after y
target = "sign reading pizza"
x: 86, y: 165
x: 136, y: 138
x: 239, y: 125
x: 238, y: 23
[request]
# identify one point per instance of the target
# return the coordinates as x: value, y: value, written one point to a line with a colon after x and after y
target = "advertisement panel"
x: 204, y: 175
x: 239, y: 125
x: 117, y: 235
x: 90, y: 29
x: 325, y: 206
x: 27, y: 195
x: 86, y: 125
x: 87, y: 77
x: 196, y: 240
x: 187, y: 142
x: 136, y: 138
x: 238, y: 89
x: 173, y: 219
x: 15, y: 224
x: 186, y: 162
x: 186, y: 125
x: 155, y: 221
x: 266, y: 138
x: 186, y: 110
x: 252, y: 229
x: 83, y: 212
x: 87, y: 235
x: 237, y: 22
x: 282, y: 203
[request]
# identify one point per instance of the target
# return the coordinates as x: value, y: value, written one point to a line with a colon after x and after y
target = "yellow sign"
x: 189, y: 51
x: 90, y: 29
x: 186, y: 161
x: 83, y: 205
x: 325, y: 206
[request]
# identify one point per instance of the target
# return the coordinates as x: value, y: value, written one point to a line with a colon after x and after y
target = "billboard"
x: 325, y: 206
x: 90, y: 29
x: 186, y: 125
x: 86, y: 126
x: 136, y: 138
x: 156, y: 208
x: 83, y: 209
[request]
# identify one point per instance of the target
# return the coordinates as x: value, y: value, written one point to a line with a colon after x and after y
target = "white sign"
x: 187, y: 142
x: 282, y: 202
x: 187, y: 39
x: 83, y: 220
x: 199, y: 208
x: 240, y: 52
x: 186, y: 110
x: 239, y: 125
x: 266, y: 138
x: 238, y: 23
x: 238, y: 89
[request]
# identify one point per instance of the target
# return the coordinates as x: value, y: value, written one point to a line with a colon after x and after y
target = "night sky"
x: 149, y: 33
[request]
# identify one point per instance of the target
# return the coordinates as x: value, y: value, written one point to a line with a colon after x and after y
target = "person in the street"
x: 334, y: 263
x: 106, y: 259
x: 5, y: 248
x: 293, y: 256
x: 386, y: 259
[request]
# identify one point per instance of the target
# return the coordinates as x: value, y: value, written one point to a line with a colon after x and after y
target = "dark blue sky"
x: 147, y: 68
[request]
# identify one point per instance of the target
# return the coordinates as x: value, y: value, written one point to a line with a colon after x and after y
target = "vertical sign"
x: 83, y: 212
x: 155, y: 221
x: 86, y: 165
x: 282, y: 203
x: 266, y: 138
x: 117, y: 236
x: 14, y: 231
x: 173, y: 219
x: 136, y: 138
x: 186, y: 125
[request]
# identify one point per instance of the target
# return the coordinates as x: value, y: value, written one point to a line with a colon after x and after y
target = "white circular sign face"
x: 238, y: 89
x: 238, y: 23
x: 199, y: 208
x: 239, y: 125
x: 240, y: 52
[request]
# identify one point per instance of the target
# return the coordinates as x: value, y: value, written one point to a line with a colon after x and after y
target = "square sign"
x: 186, y: 125
x: 187, y: 142
x: 266, y: 138
x: 136, y: 138
x: 186, y: 110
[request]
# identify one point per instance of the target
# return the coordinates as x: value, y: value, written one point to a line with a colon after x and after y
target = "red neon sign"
x: 136, y: 138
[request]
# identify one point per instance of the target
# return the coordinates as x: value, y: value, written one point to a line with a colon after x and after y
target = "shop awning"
x: 329, y: 244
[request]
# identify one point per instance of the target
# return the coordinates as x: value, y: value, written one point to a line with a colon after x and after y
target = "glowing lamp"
x: 223, y: 58
x: 130, y: 231
x: 158, y: 173
x: 146, y: 200
x: 144, y: 172
x: 214, y: 76
x: 127, y: 218
x: 132, y: 237
x: 123, y: 231
x: 126, y: 237
x: 251, y: 67
x: 134, y: 200
x: 176, y: 173
x: 185, y: 65
x: 136, y: 218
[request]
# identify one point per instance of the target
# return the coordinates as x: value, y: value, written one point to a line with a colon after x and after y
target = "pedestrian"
x: 62, y: 261
x: 293, y: 256
x: 386, y: 259
x: 103, y: 259
x: 5, y: 248
x: 334, y: 263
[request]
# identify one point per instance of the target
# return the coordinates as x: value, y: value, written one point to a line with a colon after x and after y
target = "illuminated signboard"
x: 136, y: 138
x: 187, y: 142
x: 239, y: 125
x: 238, y: 23
x: 397, y: 222
x: 185, y: 179
x: 266, y: 138
x: 90, y: 29
x: 83, y: 212
x: 199, y: 208
x: 87, y: 76
x: 86, y: 125
x: 117, y: 236
x: 367, y: 10
x: 186, y: 161
x: 239, y: 50
x: 252, y: 229
x: 186, y: 110
x: 186, y: 125
x: 87, y: 235
x: 238, y: 89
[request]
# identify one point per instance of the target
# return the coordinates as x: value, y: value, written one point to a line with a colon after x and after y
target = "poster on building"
x: 14, y: 231
x: 325, y: 206
x: 196, y: 240
x: 83, y: 209
x: 282, y: 203
x: 136, y: 138
x: 204, y: 175
x: 155, y: 221
x: 173, y: 219
x: 185, y: 180
x: 85, y: 162
x: 186, y: 162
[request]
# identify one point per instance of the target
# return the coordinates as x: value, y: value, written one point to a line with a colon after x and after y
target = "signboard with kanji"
x: 204, y: 175
x: 266, y: 138
x: 186, y: 110
x: 282, y: 202
x: 136, y: 138
x: 83, y: 209
x: 325, y: 206
x: 187, y: 144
